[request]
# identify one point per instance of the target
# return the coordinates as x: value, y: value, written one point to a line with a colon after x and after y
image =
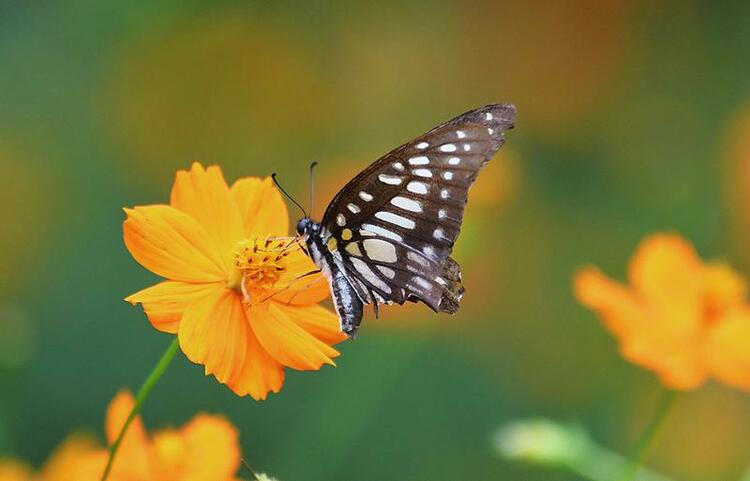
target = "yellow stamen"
x: 259, y: 264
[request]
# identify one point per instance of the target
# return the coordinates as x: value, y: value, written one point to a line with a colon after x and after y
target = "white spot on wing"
x: 467, y: 147
x: 396, y: 219
x: 488, y: 116
x: 440, y: 281
x: 421, y: 282
x: 420, y: 160
x: 444, y: 194
x: 447, y: 175
x: 380, y: 250
x: 340, y: 220
x: 461, y: 134
x: 407, y: 204
x: 390, y: 179
x: 419, y: 259
x: 438, y: 234
x: 422, y: 172
x: 386, y: 271
x: 448, y: 148
x: 417, y: 187
x: 454, y: 160
x: 428, y: 251
x: 422, y: 145
x: 398, y: 166
x: 369, y: 229
x: 442, y: 213
x: 354, y: 208
x: 365, y: 196
x: 369, y: 275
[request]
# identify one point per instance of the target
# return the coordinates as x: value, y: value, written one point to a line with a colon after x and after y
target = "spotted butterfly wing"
x: 392, y: 227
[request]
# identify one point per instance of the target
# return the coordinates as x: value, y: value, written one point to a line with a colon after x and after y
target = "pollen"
x: 259, y: 264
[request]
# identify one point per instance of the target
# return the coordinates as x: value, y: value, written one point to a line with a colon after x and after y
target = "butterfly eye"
x: 302, y: 226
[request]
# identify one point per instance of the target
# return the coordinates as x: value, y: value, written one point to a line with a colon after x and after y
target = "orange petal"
x: 213, y: 332
x: 286, y: 341
x: 728, y: 351
x: 666, y: 271
x: 212, y: 448
x: 132, y: 457
x: 65, y: 459
x: 724, y: 289
x: 171, y: 244
x: 260, y: 374
x: 12, y: 470
x: 294, y: 289
x: 164, y: 303
x: 680, y: 365
x: 263, y: 209
x: 619, y: 310
x: 204, y: 195
x: 318, y: 321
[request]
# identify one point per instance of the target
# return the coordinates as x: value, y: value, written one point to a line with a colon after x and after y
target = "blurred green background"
x: 634, y: 117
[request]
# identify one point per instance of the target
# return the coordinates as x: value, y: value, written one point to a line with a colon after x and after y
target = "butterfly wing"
x: 395, y: 223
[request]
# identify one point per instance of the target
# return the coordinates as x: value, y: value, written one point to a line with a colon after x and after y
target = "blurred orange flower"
x: 234, y: 296
x: 61, y: 466
x: 683, y: 318
x: 204, y: 449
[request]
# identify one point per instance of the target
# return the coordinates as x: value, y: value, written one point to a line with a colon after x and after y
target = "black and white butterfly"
x: 387, y: 236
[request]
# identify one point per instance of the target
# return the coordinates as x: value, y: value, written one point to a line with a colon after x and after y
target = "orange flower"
x: 683, y: 318
x: 234, y: 294
x: 204, y: 449
x: 61, y: 466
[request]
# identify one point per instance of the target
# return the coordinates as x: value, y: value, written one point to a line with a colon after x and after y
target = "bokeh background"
x: 634, y: 117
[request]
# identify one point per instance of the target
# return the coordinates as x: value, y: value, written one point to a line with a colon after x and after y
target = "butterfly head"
x: 306, y: 226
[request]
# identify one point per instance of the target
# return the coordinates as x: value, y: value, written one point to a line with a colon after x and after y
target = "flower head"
x: 683, y: 318
x: 204, y: 449
x: 237, y: 294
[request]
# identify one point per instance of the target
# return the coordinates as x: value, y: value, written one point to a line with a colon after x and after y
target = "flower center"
x: 259, y: 265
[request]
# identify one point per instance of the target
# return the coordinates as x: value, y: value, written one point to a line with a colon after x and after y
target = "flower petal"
x: 286, y: 341
x: 66, y: 457
x: 165, y: 302
x: 212, y: 449
x: 260, y: 374
x: 171, y: 244
x: 614, y: 303
x: 318, y: 321
x: 293, y: 289
x: 666, y: 269
x: 728, y: 351
x: 12, y: 470
x: 204, y: 195
x: 132, y: 458
x: 213, y: 332
x: 262, y: 207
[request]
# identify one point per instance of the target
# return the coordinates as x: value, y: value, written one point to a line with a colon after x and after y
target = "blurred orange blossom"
x: 233, y: 293
x: 685, y: 319
x: 62, y: 465
x: 204, y: 449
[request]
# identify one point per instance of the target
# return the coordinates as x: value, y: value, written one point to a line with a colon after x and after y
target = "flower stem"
x: 140, y: 398
x: 650, y: 435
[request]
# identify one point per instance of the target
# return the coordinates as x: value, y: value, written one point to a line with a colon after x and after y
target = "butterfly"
x: 387, y: 236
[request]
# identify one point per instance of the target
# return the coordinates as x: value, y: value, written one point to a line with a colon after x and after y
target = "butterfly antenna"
x: 312, y: 186
x: 273, y: 176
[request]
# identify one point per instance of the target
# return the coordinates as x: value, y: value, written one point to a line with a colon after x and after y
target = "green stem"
x: 650, y: 435
x: 140, y: 398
